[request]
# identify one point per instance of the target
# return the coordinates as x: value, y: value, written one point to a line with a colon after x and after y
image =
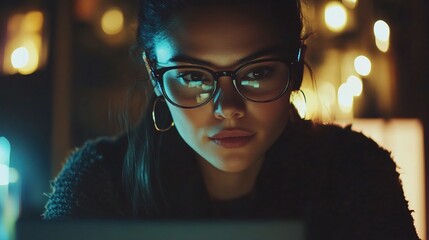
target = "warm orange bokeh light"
x: 23, y: 47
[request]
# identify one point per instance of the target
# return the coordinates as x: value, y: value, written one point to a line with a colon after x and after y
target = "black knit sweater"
x: 339, y: 182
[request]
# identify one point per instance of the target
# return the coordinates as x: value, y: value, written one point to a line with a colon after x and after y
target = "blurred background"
x: 65, y: 69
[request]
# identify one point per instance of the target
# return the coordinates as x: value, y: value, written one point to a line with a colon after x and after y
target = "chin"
x: 234, y: 165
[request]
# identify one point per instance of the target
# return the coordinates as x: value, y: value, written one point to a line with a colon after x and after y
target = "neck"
x: 223, y: 185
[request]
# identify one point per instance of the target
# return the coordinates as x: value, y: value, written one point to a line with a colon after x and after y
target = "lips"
x: 232, y: 138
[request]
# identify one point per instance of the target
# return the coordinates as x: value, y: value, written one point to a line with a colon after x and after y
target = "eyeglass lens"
x: 259, y: 82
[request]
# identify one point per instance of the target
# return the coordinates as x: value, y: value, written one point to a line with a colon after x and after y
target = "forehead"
x: 221, y: 35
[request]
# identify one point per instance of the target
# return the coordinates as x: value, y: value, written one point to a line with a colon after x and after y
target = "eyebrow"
x: 192, y: 60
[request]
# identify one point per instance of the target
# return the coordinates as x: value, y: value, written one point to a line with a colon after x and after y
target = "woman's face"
x: 230, y: 133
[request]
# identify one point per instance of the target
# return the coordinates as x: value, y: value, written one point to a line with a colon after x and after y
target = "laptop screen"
x: 160, y: 230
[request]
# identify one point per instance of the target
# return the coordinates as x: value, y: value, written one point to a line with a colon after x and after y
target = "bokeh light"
x: 13, y: 175
x: 4, y: 160
x: 23, y: 48
x: 4, y: 175
x: 382, y: 35
x: 355, y: 84
x: 300, y: 102
x: 112, y: 21
x: 362, y: 65
x: 20, y: 57
x: 25, y: 59
x: 345, y: 98
x: 32, y: 22
x: 335, y: 16
x: 351, y: 4
x: 381, y: 30
x: 4, y: 150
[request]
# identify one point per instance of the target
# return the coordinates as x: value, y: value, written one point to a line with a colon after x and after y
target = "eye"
x: 192, y: 76
x: 195, y: 79
x: 259, y: 73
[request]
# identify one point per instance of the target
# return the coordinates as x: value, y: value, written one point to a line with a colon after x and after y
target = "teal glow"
x: 164, y: 51
x: 299, y: 54
x: 4, y: 160
x: 4, y: 174
x: 4, y: 150
x: 13, y: 175
x: 254, y: 84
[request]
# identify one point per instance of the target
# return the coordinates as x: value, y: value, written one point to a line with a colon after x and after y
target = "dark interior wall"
x: 410, y: 42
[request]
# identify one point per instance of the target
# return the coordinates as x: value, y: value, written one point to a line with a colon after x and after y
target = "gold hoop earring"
x: 154, y: 117
x: 299, y: 101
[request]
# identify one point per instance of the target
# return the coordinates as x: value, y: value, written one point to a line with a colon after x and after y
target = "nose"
x: 228, y: 104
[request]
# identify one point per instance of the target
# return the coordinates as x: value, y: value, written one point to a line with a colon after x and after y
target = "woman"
x: 220, y: 138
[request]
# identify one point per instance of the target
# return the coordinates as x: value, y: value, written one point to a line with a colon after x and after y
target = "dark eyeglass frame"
x: 159, y: 73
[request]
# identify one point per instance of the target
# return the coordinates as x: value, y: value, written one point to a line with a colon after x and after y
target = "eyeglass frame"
x: 159, y: 73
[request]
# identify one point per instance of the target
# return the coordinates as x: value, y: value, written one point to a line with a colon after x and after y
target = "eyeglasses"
x: 263, y: 80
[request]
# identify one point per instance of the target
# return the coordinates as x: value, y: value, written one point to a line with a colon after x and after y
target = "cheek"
x: 189, y: 123
x: 274, y: 114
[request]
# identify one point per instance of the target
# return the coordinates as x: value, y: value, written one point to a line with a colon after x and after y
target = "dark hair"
x: 155, y: 161
x: 154, y: 16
